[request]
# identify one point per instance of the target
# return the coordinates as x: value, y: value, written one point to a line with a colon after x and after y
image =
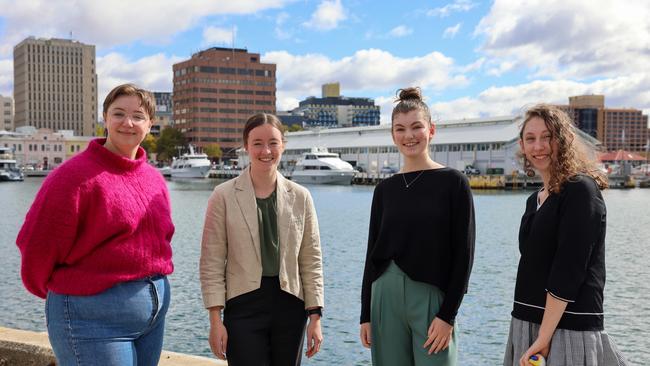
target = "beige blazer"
x: 231, y: 263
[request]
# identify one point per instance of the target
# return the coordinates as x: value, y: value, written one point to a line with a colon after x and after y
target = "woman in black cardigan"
x: 558, y: 305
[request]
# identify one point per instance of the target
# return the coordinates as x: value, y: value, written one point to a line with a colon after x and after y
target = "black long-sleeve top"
x: 427, y: 229
x: 562, y: 247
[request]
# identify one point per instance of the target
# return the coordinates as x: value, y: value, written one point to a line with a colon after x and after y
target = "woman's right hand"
x: 366, y: 336
x: 218, y: 339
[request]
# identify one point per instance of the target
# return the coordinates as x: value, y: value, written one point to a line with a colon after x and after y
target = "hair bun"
x: 413, y: 93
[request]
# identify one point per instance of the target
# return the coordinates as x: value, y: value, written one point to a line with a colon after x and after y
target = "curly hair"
x: 571, y: 158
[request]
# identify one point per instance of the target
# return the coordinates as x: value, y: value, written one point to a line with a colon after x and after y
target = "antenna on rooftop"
x: 71, y: 35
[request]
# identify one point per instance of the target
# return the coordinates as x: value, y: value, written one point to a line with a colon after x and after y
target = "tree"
x: 213, y: 151
x: 295, y: 128
x: 149, y: 144
x: 167, y: 142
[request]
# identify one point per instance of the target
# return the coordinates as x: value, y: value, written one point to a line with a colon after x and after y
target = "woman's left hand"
x: 539, y: 346
x: 439, y: 335
x: 314, y: 336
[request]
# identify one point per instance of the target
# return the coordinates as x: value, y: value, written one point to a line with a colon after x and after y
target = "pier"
x: 22, y: 347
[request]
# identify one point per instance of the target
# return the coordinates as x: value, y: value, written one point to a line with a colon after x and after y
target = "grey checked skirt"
x: 568, y: 347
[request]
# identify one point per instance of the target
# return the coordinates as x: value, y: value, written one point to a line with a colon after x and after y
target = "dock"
x: 22, y: 347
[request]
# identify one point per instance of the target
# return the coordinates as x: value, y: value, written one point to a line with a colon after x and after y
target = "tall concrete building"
x: 216, y: 91
x: 55, y: 85
x: 616, y: 128
x: 6, y: 113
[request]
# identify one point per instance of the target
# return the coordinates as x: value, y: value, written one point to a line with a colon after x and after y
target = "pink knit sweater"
x: 98, y: 219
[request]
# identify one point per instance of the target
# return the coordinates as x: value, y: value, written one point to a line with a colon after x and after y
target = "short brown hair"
x: 147, y: 100
x: 259, y: 119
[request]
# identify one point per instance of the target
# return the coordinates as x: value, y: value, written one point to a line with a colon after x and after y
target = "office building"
x: 164, y: 112
x: 55, y: 85
x: 616, y: 128
x: 216, y: 91
x: 6, y: 113
x: 334, y: 110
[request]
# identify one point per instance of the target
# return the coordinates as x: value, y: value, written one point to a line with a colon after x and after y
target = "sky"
x: 471, y: 58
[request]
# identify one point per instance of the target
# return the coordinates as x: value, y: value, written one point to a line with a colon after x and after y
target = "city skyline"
x: 472, y: 58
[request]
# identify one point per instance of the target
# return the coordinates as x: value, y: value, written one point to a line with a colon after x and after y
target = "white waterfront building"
x: 482, y: 142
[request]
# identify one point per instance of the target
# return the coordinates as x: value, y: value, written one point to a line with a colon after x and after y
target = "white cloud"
x: 218, y: 36
x: 280, y: 20
x: 501, y: 68
x: 368, y: 70
x: 327, y: 16
x: 619, y: 92
x: 450, y: 32
x: 400, y: 31
x: 107, y: 23
x: 569, y: 39
x: 6, y: 77
x: 455, y: 7
x: 153, y: 72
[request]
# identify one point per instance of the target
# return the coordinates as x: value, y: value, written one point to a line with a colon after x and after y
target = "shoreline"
x: 23, y: 347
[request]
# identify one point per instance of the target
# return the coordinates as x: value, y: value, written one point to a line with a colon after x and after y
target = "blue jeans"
x: 123, y: 325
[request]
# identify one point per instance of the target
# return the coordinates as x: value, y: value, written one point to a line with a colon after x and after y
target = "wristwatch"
x: 318, y: 311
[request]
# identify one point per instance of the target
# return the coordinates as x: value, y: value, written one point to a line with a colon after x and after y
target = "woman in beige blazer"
x: 261, y: 259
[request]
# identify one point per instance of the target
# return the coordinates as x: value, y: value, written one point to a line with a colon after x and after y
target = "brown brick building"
x: 216, y: 91
x: 616, y: 128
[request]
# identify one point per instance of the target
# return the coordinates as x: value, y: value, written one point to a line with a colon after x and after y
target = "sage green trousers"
x: 401, y: 312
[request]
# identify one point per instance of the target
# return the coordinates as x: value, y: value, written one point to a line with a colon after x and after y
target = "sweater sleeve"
x: 581, y: 225
x: 214, y: 251
x: 49, y: 232
x: 368, y: 272
x: 462, y: 246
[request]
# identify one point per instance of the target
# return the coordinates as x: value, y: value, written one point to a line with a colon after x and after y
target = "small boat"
x: 322, y: 167
x: 8, y: 169
x: 192, y: 165
x: 166, y: 171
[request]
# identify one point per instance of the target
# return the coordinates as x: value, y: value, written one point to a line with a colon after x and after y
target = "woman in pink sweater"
x: 96, y: 244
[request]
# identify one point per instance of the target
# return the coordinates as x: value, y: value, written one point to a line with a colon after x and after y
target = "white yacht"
x: 191, y: 165
x: 8, y: 169
x: 322, y: 167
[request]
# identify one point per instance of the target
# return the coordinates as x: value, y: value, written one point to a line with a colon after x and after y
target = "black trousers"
x: 266, y: 327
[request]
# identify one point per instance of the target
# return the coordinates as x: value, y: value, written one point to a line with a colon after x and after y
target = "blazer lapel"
x: 245, y: 195
x: 285, y: 199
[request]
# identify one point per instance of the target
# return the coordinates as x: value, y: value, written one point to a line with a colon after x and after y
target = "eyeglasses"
x: 136, y: 118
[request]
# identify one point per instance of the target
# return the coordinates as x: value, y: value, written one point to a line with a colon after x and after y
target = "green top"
x: 269, y: 240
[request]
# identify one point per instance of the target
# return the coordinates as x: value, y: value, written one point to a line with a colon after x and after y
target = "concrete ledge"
x: 21, y: 347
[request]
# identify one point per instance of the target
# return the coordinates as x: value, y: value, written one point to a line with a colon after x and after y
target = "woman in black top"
x: 420, y: 250
x: 558, y: 306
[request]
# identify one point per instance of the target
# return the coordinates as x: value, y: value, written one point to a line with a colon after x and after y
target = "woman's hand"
x: 218, y: 337
x: 314, y: 335
x: 552, y: 314
x: 539, y: 346
x: 365, y: 334
x: 439, y: 335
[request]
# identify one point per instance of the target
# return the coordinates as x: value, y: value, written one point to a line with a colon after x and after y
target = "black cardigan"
x: 427, y: 229
x: 562, y: 248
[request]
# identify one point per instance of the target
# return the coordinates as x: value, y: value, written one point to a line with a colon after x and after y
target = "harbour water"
x: 343, y: 214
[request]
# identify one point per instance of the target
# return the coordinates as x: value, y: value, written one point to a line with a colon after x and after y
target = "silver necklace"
x: 408, y: 184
